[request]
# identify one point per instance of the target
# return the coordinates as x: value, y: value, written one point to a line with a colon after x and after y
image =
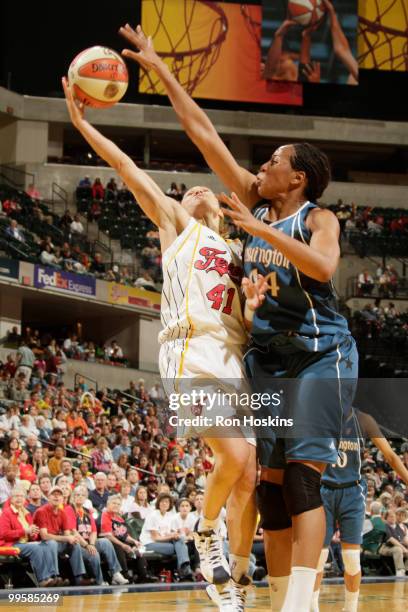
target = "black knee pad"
x: 271, y: 506
x: 301, y: 488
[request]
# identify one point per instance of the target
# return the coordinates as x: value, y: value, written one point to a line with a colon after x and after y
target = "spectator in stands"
x: 365, y: 283
x: 17, y: 529
x: 76, y: 227
x: 114, y: 352
x: 141, y: 504
x: 14, y: 231
x: 97, y: 265
x: 13, y: 337
x: 54, y: 526
x: 11, y: 207
x: 54, y: 464
x: 113, y: 527
x: 111, y: 189
x: 66, y: 220
x: 99, y: 496
x: 85, y: 182
x: 25, y: 360
x: 173, y: 191
x: 83, y: 526
x: 8, y: 482
x: 158, y: 535
x: 35, y: 498
x: 98, y: 191
x: 396, y: 543
x: 48, y: 258
x: 127, y: 500
x: 145, y: 281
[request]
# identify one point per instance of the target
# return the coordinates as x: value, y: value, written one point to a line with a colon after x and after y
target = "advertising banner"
x: 65, y: 282
x: 131, y: 296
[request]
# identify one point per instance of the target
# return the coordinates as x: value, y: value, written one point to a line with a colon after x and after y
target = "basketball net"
x: 254, y: 26
x: 188, y: 64
x: 383, y: 34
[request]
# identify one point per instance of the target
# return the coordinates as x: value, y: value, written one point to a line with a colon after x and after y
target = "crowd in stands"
x: 385, y: 283
x: 385, y: 323
x: 176, y: 191
x: 46, y: 356
x: 31, y: 232
x: 94, y: 487
x: 373, y: 230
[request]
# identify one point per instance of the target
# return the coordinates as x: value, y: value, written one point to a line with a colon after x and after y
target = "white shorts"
x: 215, y: 372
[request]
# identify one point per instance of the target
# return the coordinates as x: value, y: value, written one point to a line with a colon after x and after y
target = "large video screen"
x: 383, y: 34
x: 311, y: 41
x: 214, y: 50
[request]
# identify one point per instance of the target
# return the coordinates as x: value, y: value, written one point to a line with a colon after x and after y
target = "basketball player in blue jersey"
x: 296, y: 332
x: 344, y: 495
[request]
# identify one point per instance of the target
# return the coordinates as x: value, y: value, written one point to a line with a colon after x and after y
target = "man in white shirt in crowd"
x: 76, y: 226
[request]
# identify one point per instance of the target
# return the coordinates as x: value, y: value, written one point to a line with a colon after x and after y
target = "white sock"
x: 300, y: 590
x: 207, y: 524
x: 351, y: 601
x: 315, y: 601
x: 278, y: 585
x: 239, y: 566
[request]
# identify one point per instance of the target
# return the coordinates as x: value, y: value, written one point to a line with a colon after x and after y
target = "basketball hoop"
x: 189, y: 64
x: 254, y: 26
x: 383, y: 35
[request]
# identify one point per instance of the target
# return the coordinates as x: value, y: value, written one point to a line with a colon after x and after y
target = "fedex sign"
x: 59, y: 280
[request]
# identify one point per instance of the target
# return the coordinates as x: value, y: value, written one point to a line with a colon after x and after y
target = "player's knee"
x: 324, y: 555
x: 301, y: 488
x: 272, y: 507
x: 351, y: 561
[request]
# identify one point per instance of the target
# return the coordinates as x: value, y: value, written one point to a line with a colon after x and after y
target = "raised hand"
x: 75, y: 107
x: 254, y: 291
x: 147, y: 56
x: 312, y: 72
x: 239, y: 213
x: 285, y: 26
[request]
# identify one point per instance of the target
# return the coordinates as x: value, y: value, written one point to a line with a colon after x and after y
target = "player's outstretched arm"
x: 165, y: 212
x: 193, y: 119
x: 340, y: 43
x: 370, y: 426
x: 318, y: 259
x: 275, y: 50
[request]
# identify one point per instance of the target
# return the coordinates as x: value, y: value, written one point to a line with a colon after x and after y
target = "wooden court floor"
x: 392, y: 596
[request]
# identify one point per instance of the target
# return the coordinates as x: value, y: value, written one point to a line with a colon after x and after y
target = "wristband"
x: 248, y: 313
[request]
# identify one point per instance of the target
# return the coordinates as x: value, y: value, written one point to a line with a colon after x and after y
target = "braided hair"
x: 315, y: 164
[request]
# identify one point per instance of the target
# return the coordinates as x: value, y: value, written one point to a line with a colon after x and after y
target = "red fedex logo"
x: 213, y: 262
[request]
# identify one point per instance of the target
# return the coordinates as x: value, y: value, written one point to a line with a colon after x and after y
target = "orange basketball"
x: 98, y: 77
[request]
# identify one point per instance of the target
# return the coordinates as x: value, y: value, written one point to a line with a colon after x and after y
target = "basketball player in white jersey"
x: 203, y: 337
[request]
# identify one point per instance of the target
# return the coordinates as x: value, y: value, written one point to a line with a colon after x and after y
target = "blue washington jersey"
x: 348, y: 466
x: 295, y: 304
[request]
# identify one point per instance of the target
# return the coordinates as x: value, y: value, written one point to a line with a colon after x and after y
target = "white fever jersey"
x: 201, y: 287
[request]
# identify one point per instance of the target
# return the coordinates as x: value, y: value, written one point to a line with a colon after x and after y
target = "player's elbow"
x: 324, y: 273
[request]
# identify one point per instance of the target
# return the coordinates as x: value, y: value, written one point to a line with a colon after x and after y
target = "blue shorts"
x: 345, y: 510
x: 318, y: 400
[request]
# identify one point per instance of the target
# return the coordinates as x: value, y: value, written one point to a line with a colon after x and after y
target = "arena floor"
x: 375, y: 595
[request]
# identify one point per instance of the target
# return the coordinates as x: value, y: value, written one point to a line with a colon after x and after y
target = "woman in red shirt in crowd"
x: 114, y: 528
x: 17, y: 530
x: 82, y: 525
x: 27, y: 471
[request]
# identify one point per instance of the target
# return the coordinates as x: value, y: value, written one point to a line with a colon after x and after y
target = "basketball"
x: 98, y: 77
x: 306, y: 12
